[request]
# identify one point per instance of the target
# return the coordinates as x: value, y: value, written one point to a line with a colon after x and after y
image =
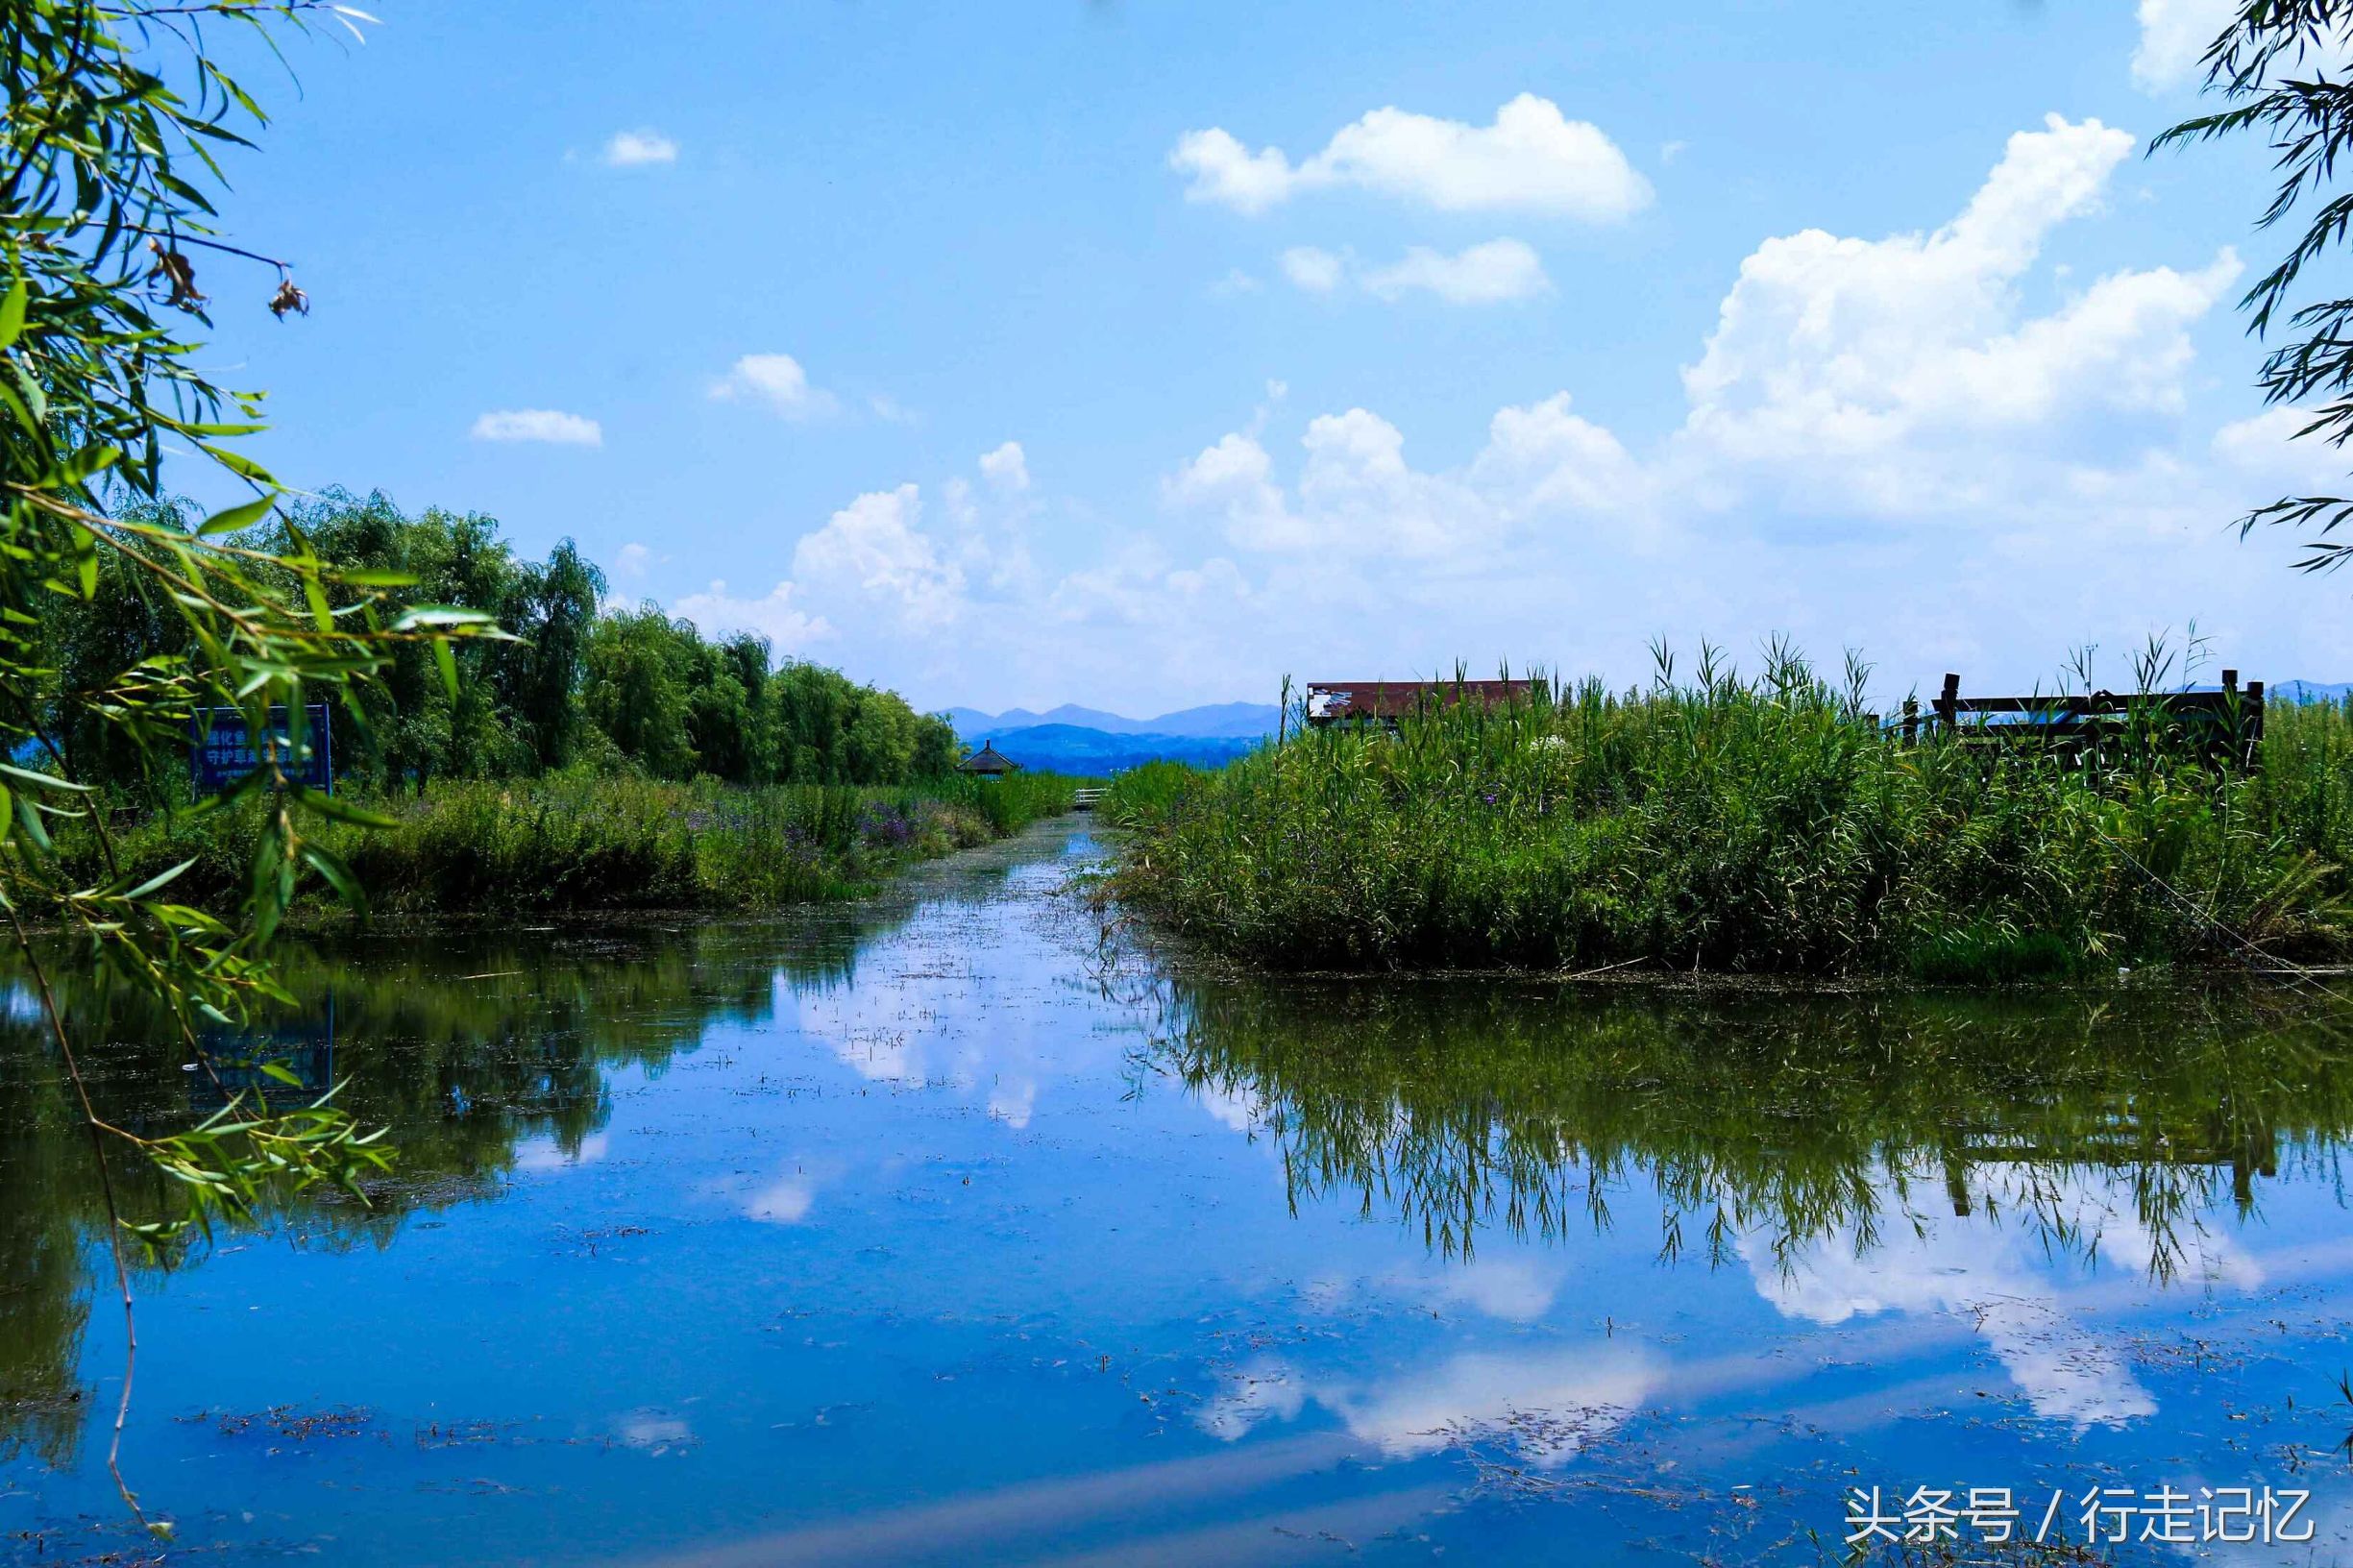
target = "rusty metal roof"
x: 1332, y: 700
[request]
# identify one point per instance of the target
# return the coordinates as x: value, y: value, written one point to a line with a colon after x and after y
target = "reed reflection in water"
x: 1769, y: 1124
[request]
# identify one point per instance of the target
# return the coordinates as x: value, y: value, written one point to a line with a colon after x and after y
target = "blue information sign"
x: 239, y: 1061
x: 220, y: 752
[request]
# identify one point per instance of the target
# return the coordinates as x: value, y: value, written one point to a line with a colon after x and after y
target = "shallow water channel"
x: 936, y: 1231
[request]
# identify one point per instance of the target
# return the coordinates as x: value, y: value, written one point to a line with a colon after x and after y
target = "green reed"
x: 590, y: 842
x: 1766, y: 824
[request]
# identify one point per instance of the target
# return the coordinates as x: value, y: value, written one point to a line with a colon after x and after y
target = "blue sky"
x: 1138, y: 355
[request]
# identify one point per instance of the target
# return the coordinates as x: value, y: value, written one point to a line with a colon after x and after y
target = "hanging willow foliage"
x: 115, y: 116
x: 2285, y: 69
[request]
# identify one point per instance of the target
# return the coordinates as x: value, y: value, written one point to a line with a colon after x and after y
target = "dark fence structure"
x: 2224, y: 726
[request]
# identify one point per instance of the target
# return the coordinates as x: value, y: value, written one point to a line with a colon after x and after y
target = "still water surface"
x: 933, y: 1232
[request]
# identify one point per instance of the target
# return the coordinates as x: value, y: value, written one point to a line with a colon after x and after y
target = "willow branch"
x: 114, y: 1221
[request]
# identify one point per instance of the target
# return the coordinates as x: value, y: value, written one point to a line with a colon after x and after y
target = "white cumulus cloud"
x: 775, y: 616
x: 1007, y: 468
x: 1542, y: 459
x: 547, y: 424
x: 1879, y: 368
x: 1234, y: 477
x: 1895, y: 378
x: 2173, y: 38
x: 1141, y: 586
x: 1532, y: 158
x: 776, y: 381
x: 2176, y: 33
x: 1310, y: 267
x: 637, y: 149
x: 1497, y: 272
x: 1355, y: 489
x: 2270, y: 448
x: 874, y: 548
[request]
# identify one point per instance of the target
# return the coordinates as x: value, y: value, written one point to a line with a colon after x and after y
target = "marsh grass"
x: 588, y: 842
x: 1767, y: 824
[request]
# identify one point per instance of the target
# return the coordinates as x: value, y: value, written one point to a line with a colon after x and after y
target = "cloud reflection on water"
x: 2013, y: 1292
x: 1544, y: 1402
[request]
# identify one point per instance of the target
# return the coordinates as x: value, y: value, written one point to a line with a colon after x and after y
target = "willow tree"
x: 2284, y: 71
x: 116, y: 114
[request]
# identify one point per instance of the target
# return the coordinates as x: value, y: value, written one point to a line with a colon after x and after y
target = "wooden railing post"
x: 1948, y: 706
x: 2231, y: 744
x: 1911, y: 721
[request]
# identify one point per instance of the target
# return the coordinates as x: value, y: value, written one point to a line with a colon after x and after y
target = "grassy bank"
x: 590, y: 842
x: 1759, y: 826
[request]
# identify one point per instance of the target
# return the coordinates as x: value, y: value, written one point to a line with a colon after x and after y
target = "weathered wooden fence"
x: 2224, y: 726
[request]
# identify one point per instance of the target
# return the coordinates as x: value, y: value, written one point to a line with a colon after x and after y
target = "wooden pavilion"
x: 989, y: 762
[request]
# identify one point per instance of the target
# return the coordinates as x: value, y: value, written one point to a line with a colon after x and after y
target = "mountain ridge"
x: 1213, y: 720
x: 1076, y: 748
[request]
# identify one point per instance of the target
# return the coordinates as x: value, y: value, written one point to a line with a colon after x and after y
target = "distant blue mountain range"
x: 1075, y: 739
x: 2311, y: 691
x: 1224, y: 720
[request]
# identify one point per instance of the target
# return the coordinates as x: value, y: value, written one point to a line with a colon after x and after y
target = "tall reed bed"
x: 584, y: 842
x: 1719, y: 823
